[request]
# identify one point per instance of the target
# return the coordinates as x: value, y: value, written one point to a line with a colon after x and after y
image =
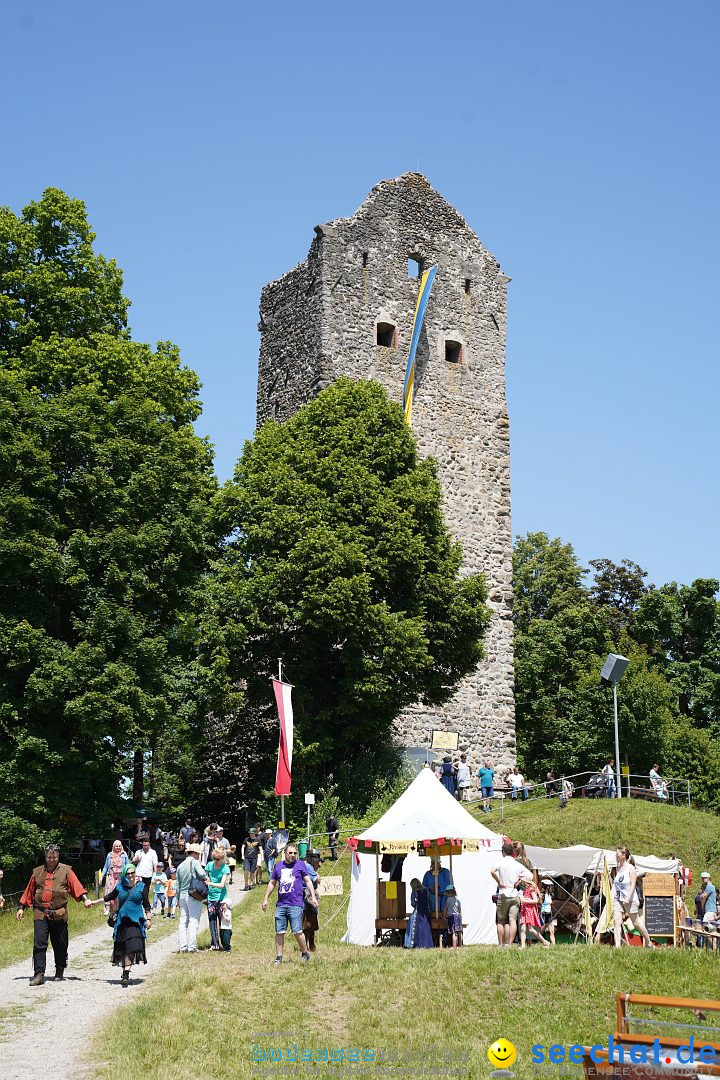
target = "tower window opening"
x: 415, y: 266
x: 468, y: 283
x: 364, y: 259
x: 386, y: 335
x: 453, y: 352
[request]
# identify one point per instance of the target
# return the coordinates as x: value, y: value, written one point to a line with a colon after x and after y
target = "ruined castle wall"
x: 360, y: 269
x: 291, y: 369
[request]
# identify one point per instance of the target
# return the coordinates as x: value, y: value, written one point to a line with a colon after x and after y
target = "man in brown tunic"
x: 48, y: 892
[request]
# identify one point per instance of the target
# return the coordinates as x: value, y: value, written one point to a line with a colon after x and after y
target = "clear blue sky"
x: 579, y: 140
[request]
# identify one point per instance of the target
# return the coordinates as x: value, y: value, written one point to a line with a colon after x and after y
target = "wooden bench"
x: 644, y: 793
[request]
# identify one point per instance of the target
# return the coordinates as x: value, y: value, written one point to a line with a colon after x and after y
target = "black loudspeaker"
x: 613, y: 669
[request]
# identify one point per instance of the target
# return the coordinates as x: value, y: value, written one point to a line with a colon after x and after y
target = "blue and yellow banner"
x: 426, y: 284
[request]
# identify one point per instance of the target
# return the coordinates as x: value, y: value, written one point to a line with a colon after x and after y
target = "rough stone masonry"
x: 348, y: 310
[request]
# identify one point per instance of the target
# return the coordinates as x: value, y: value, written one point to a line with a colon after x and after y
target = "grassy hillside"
x: 646, y: 828
x: 389, y: 998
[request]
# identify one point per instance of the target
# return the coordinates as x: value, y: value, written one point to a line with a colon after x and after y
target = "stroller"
x: 596, y: 786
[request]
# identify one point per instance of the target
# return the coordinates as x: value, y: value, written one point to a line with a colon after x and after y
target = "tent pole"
x: 437, y: 878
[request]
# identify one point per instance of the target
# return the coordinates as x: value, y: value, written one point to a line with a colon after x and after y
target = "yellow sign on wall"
x: 444, y: 740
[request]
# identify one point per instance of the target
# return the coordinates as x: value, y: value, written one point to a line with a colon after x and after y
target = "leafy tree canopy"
x: 340, y: 562
x: 563, y: 633
x: 104, y: 524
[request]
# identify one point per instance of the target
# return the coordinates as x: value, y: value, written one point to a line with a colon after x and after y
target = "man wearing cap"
x: 708, y: 901
x: 48, y: 892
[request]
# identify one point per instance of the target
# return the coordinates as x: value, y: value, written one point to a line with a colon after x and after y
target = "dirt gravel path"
x: 45, y: 1030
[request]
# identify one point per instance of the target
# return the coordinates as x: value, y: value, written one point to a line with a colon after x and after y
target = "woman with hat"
x: 130, y: 925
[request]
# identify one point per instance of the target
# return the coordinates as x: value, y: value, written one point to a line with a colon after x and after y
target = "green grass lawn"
x: 209, y: 1005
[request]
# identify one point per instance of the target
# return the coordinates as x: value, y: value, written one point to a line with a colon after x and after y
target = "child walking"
x: 529, y: 915
x: 159, y: 885
x: 226, y: 925
x: 453, y: 914
x: 171, y: 893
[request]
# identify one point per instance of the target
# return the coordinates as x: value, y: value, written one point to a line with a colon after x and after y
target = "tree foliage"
x: 104, y: 523
x: 340, y: 562
x: 565, y: 628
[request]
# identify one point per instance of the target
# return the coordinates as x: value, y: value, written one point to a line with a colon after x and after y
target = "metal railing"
x: 634, y: 785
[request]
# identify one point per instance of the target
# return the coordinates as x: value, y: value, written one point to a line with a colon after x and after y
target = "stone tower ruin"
x: 347, y: 309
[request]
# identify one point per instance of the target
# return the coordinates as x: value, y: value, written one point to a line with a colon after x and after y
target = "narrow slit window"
x: 365, y: 259
x: 468, y: 283
x: 415, y: 266
x: 386, y: 335
x: 453, y: 352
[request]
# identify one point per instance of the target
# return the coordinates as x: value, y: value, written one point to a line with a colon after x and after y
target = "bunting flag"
x: 605, y: 922
x: 283, y: 776
x: 426, y: 284
x: 586, y: 916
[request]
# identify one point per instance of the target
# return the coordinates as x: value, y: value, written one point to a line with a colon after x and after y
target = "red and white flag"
x: 283, y: 776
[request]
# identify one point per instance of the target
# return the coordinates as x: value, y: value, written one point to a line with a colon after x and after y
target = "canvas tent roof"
x: 581, y: 858
x: 426, y: 811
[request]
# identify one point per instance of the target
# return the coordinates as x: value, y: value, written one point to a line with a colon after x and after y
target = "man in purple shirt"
x: 290, y: 873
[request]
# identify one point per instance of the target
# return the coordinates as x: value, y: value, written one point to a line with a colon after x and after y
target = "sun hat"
x: 196, y: 849
x: 449, y: 889
x: 546, y: 881
x: 705, y: 874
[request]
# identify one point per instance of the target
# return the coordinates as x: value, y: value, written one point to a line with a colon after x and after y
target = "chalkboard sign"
x: 659, y: 915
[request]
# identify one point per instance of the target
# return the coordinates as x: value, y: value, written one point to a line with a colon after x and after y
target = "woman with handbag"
x: 192, y: 889
x: 129, y: 923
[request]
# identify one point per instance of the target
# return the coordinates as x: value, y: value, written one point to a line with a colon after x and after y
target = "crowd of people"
x: 456, y: 777
x: 149, y: 873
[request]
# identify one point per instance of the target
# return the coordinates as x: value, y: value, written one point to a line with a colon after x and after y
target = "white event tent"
x: 426, y: 811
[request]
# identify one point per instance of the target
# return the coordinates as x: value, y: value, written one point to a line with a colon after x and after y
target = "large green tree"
x: 104, y: 524
x: 340, y: 562
x: 680, y: 624
x: 564, y: 628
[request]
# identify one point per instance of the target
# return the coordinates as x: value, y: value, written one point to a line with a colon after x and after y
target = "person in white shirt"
x: 463, y: 778
x: 609, y: 773
x: 146, y: 861
x: 659, y: 785
x: 517, y: 783
x: 509, y: 873
x: 626, y: 902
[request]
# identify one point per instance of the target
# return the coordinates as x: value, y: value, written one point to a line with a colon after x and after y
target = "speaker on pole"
x: 613, y: 669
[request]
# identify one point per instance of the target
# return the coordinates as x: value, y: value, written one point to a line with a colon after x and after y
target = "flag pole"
x: 281, y: 823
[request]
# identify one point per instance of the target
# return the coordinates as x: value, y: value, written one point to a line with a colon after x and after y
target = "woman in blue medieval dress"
x: 447, y: 775
x: 418, y: 934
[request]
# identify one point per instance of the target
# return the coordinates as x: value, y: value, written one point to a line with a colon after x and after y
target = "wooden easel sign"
x: 660, y: 913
